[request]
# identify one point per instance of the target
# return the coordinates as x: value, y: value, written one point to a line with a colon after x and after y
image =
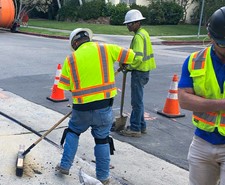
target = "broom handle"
x: 46, y: 133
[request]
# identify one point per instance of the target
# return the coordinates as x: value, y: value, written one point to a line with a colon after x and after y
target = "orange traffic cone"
x: 57, y: 94
x: 171, y: 107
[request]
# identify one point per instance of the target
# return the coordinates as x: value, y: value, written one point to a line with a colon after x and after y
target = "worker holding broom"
x: 143, y: 63
x: 89, y: 74
x: 201, y: 90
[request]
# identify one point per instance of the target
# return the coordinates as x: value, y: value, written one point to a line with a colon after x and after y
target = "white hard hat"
x: 132, y: 16
x: 75, y: 33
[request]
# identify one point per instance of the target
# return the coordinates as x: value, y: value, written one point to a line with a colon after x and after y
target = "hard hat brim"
x: 126, y: 22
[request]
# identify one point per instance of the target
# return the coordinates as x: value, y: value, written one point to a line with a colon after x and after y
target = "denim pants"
x: 138, y: 80
x: 206, y: 163
x: 100, y: 122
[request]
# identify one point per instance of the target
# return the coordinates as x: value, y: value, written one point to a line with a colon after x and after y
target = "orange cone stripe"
x: 57, y: 94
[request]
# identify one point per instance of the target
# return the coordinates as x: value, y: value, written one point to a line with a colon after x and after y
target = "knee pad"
x: 106, y: 140
x: 64, y: 135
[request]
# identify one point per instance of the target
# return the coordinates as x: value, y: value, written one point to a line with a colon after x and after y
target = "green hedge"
x: 164, y: 13
x: 91, y: 10
x: 118, y: 13
x: 156, y: 13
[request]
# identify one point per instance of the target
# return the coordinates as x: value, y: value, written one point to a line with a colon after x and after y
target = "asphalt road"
x: 28, y: 67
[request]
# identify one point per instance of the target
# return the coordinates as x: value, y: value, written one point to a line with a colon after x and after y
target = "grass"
x: 156, y: 30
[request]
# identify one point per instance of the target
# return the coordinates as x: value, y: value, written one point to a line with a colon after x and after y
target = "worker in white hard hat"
x: 143, y: 63
x: 89, y: 74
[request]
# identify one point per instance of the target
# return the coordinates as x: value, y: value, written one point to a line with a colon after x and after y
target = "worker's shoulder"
x: 142, y: 33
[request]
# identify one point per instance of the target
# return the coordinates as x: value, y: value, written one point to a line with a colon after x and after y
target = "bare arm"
x: 188, y: 100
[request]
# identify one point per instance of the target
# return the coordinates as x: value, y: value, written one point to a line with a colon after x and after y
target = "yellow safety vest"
x: 142, y: 46
x: 205, y: 85
x: 89, y: 72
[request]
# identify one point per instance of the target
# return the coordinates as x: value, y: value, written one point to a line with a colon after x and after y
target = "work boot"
x: 130, y: 133
x: 144, y: 131
x: 105, y: 182
x: 62, y: 170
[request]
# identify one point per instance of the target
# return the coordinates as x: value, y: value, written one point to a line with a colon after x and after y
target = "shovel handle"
x: 123, y: 92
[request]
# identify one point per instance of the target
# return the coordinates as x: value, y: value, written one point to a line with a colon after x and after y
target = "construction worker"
x: 201, y: 90
x: 89, y: 74
x: 143, y: 63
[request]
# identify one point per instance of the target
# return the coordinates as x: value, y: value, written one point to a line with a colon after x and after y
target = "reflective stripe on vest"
x: 64, y: 80
x: 105, y: 87
x: 207, y: 118
x: 123, y: 56
x: 198, y: 61
x: 222, y: 121
x: 201, y: 70
x: 145, y: 57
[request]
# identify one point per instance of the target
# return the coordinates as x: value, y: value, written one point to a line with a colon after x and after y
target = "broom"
x: 22, y: 152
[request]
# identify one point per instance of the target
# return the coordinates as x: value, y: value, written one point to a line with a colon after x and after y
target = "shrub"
x: 172, y: 12
x: 155, y: 14
x: 164, y: 13
x: 118, y: 13
x: 107, y: 9
x: 69, y: 11
x: 91, y: 10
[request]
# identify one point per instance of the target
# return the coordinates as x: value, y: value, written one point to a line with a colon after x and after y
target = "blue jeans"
x: 138, y: 80
x: 101, y: 122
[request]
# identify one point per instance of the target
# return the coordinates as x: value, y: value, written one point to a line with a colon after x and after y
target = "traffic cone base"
x: 171, y: 107
x: 170, y: 115
x: 54, y: 100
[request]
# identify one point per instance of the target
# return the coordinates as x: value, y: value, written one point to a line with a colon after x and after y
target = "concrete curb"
x: 184, y: 42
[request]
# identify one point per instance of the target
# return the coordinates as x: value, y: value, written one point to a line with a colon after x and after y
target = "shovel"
x: 121, y: 121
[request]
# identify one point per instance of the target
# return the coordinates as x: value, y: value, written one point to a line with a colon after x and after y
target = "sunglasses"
x: 130, y: 24
x: 220, y: 45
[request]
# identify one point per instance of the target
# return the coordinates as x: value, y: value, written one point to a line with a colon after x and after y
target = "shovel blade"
x: 120, y: 123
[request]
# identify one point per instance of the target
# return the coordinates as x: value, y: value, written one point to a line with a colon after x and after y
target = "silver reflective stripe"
x: 199, y: 59
x: 139, y: 54
x: 74, y: 69
x: 79, y: 100
x: 146, y: 57
x: 222, y: 120
x: 104, y: 63
x: 64, y: 80
x: 107, y: 94
x: 208, y: 117
x: 123, y: 56
x: 93, y: 90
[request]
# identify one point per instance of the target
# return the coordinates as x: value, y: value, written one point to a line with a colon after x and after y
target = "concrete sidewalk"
x: 130, y: 165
